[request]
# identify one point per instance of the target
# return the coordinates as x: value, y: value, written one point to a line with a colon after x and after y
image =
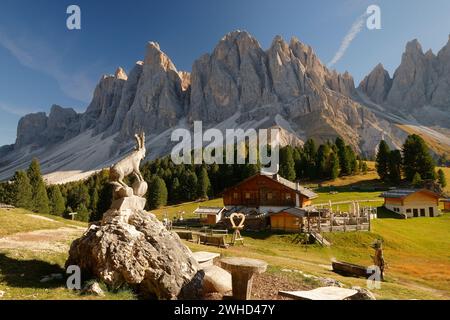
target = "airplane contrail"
x: 356, y: 28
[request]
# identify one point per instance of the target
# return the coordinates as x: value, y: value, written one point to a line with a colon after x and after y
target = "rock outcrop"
x: 377, y: 84
x: 101, y: 111
x: 131, y: 246
x: 240, y: 85
x: 419, y: 89
x: 159, y: 100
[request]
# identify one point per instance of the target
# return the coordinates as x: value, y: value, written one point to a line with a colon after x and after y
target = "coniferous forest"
x: 173, y: 184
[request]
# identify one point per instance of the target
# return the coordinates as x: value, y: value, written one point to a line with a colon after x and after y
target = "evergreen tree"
x: 382, y: 160
x: 175, y: 189
x: 204, y: 185
x: 417, y: 159
x: 395, y: 166
x: 21, y: 191
x: 94, y: 197
x: 441, y: 178
x: 334, y: 166
x: 57, y: 203
x: 40, y: 201
x: 157, y: 194
x: 343, y: 154
x: 6, y: 193
x: 287, y: 164
x: 364, y: 168
x: 417, y: 180
x: 190, y: 184
x: 310, y: 153
x: 351, y: 157
x: 82, y: 213
x: 322, y: 162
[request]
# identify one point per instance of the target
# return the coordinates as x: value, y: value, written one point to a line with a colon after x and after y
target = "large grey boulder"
x: 132, y: 247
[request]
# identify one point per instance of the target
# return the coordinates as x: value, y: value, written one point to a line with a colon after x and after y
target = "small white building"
x: 210, y: 215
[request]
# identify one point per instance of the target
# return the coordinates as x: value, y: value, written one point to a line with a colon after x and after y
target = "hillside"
x: 33, y: 246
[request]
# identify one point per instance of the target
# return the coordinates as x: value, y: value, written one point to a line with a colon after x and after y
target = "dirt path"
x: 42, y: 240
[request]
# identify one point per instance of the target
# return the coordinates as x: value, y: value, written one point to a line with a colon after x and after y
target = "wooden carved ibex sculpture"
x: 130, y: 164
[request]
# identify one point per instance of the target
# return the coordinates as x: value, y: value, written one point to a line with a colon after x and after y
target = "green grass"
x: 188, y: 208
x: 21, y: 270
x: 14, y: 220
x: 417, y: 253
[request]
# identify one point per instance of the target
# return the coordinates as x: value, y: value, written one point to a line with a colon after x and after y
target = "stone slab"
x: 323, y: 293
x: 133, y: 203
x: 238, y: 264
x: 205, y: 258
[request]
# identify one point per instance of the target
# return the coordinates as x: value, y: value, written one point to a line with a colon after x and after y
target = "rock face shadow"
x: 28, y: 273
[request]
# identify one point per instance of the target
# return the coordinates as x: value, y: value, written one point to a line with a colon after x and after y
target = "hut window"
x: 236, y: 195
x: 247, y: 195
x: 269, y: 196
x: 408, y: 210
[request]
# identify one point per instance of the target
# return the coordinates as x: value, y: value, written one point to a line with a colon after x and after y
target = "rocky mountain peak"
x: 121, y: 74
x: 155, y: 58
x: 414, y: 47
x: 377, y: 84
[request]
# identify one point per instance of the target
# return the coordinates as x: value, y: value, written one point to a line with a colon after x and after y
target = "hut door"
x: 416, y: 213
x: 431, y: 212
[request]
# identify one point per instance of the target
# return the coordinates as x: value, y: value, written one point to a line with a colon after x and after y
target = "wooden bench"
x: 215, y: 240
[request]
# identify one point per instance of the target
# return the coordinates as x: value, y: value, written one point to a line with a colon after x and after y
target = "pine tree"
x: 57, y: 203
x: 157, y: 194
x: 190, y: 181
x: 417, y: 159
x: 395, y: 166
x: 94, y: 197
x: 334, y: 166
x: 287, y: 164
x: 6, y: 193
x: 310, y: 152
x: 441, y: 178
x: 40, y: 199
x: 322, y: 162
x: 204, y: 185
x: 417, y: 180
x: 82, y: 213
x: 382, y: 160
x: 22, y: 191
x: 175, y: 191
x: 343, y: 154
x: 364, y: 168
x: 351, y: 158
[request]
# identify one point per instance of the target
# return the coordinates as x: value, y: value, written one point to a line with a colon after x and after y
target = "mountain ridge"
x: 237, y: 85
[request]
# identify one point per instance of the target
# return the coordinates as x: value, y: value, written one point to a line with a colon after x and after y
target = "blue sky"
x: 42, y: 63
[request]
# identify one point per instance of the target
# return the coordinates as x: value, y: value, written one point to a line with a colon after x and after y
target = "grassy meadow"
x: 417, y: 251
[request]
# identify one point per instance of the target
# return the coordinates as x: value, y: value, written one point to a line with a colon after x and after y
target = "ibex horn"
x: 138, y: 139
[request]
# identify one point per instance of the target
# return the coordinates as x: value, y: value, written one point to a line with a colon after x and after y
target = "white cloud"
x: 356, y: 28
x: 40, y: 57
